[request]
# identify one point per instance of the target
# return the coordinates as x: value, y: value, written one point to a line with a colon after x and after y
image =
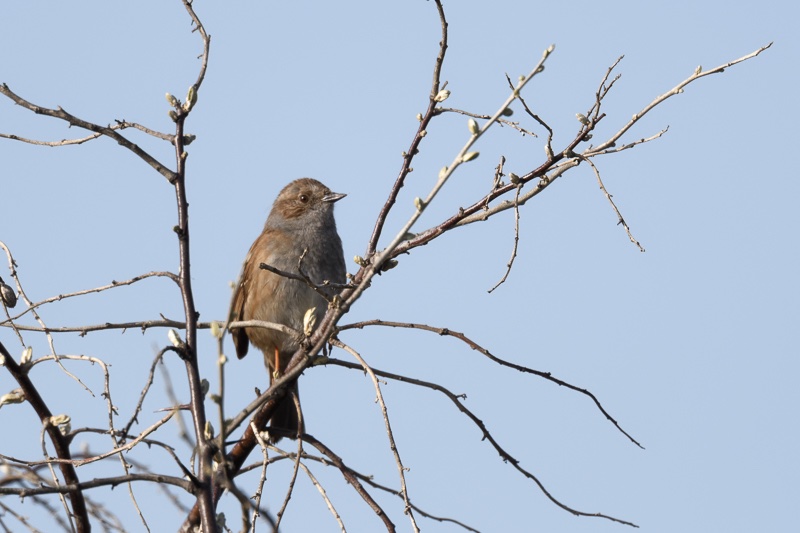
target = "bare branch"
x: 611, y: 201
x: 672, y: 92
x: 112, y: 285
x: 392, y: 444
x: 71, y: 488
x: 60, y: 443
x: 418, y: 136
x: 516, y: 243
x: 120, y: 125
x: 501, y: 121
x: 351, y: 478
x: 486, y: 435
x: 477, y: 347
x: 108, y: 131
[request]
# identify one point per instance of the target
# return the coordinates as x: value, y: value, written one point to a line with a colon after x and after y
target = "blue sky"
x: 692, y: 346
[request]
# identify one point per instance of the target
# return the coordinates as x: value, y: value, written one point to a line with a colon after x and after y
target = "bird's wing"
x: 240, y: 339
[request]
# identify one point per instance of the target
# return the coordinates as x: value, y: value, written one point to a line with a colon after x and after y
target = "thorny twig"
x: 456, y: 399
x: 477, y: 347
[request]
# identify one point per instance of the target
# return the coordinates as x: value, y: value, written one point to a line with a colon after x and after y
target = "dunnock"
x: 301, y: 221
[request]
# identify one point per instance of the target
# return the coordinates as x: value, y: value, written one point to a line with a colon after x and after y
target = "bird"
x: 300, y: 225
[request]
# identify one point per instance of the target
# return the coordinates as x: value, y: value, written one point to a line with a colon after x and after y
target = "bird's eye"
x: 304, y: 198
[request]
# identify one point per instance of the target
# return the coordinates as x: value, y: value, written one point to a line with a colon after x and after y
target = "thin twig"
x: 392, y: 444
x: 120, y: 125
x: 621, y: 220
x: 456, y: 399
x: 501, y: 121
x: 324, y: 495
x: 293, y: 479
x: 102, y: 288
x: 516, y: 243
x: 368, y: 479
x: 262, y: 443
x: 351, y: 478
x: 672, y: 92
x: 555, y: 165
x: 108, y: 131
x: 418, y: 136
x: 477, y: 347
x: 97, y: 482
x: 319, y: 289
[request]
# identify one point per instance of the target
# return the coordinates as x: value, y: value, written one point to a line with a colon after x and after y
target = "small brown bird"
x: 301, y: 221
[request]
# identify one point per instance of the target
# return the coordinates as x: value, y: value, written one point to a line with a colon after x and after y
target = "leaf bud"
x: 309, y: 320
x: 174, y: 338
x: 15, y: 396
x: 191, y: 98
x: 25, y: 358
x: 59, y: 420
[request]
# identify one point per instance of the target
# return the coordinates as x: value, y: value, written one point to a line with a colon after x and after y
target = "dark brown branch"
x: 486, y: 435
x: 413, y: 149
x: 204, y: 449
x: 206, y: 38
x: 430, y: 234
x: 248, y: 441
x: 537, y: 118
x: 351, y: 478
x: 477, y: 347
x: 60, y: 442
x: 303, y: 277
x: 620, y: 219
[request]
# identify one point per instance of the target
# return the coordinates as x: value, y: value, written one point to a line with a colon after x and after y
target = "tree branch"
x: 59, y: 441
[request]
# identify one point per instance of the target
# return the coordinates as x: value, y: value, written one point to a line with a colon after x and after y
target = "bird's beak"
x: 333, y: 197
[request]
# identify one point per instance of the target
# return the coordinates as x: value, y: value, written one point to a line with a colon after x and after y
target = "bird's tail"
x: 286, y: 417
